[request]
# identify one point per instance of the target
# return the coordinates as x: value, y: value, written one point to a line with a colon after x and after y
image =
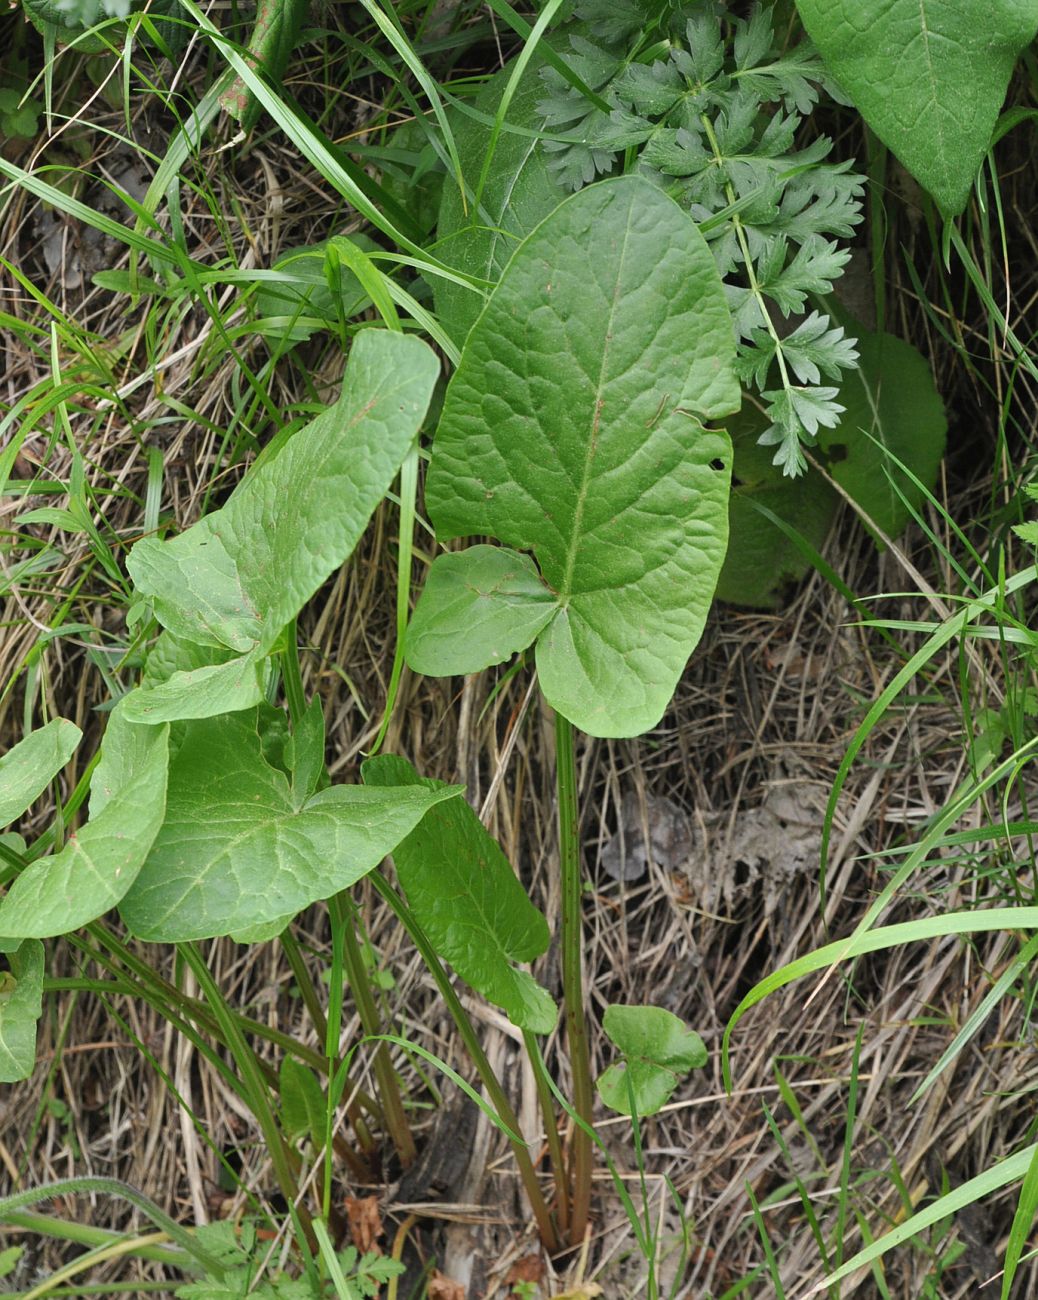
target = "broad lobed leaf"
x: 100, y: 862
x: 658, y: 1052
x: 239, y: 849
x: 21, y: 1004
x: 235, y: 578
x: 573, y: 429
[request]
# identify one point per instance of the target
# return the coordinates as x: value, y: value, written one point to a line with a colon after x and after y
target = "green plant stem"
x: 551, y: 1132
x: 313, y: 1006
x: 115, y: 1187
x: 572, y: 977
x: 257, y: 1092
x: 408, y: 509
x: 291, y: 674
x: 46, y: 1225
x: 344, y: 915
x: 164, y: 996
x: 470, y: 1038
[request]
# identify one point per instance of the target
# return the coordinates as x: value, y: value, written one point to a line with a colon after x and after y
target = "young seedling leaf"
x: 302, y: 303
x: 893, y: 399
x: 305, y: 751
x: 302, y: 1100
x: 21, y: 1004
x: 100, y: 862
x: 658, y: 1052
x: 572, y: 429
x: 28, y: 767
x: 240, y: 849
x: 928, y: 76
x: 519, y: 193
x: 239, y: 575
x: 479, y: 607
x: 468, y: 900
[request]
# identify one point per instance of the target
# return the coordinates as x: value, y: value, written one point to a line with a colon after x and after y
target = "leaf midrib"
x: 565, y: 587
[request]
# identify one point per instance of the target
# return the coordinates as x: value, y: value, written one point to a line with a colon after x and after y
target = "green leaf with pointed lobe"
x: 480, y: 607
x: 239, y: 849
x: 28, y: 767
x: 519, y: 193
x: 573, y: 429
x: 658, y: 1052
x: 239, y: 575
x: 100, y: 862
x: 928, y: 76
x: 468, y: 900
x: 21, y: 1004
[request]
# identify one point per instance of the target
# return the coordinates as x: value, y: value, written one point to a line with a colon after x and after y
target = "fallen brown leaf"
x: 365, y: 1223
x: 528, y: 1269
x: 443, y: 1288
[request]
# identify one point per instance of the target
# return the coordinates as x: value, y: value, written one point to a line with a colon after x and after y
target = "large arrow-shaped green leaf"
x: 469, y: 901
x: 239, y: 848
x: 573, y: 429
x: 929, y: 76
x: 237, y: 577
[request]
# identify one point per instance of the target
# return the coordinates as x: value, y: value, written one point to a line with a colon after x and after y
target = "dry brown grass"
x: 768, y: 704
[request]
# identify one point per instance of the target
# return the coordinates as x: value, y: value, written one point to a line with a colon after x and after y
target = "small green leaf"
x: 928, y: 76
x: 658, y: 1051
x: 28, y: 767
x: 892, y: 398
x: 239, y: 849
x: 466, y: 897
x: 303, y: 1108
x: 21, y: 1004
x: 519, y: 193
x: 99, y: 863
x: 478, y: 607
x: 305, y: 751
x: 240, y: 574
x: 302, y: 303
x: 572, y: 429
x: 9, y: 1258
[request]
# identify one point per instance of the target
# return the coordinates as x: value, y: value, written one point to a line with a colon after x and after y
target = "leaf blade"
x: 478, y: 607
x: 28, y: 767
x: 238, y: 850
x: 237, y: 577
x: 93, y: 871
x: 572, y: 429
x: 21, y: 1005
x: 927, y: 77
x: 468, y: 900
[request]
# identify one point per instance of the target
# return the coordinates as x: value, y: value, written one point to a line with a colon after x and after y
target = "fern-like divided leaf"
x: 716, y: 123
